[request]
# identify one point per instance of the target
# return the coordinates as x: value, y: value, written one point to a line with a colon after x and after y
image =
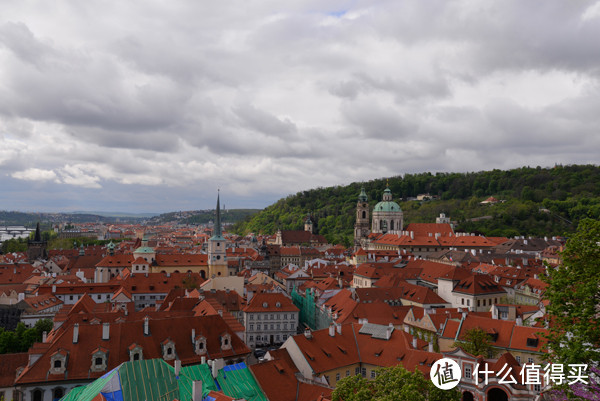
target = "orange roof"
x: 424, y: 229
x: 270, y: 302
x: 42, y: 302
x: 478, y: 284
x: 9, y: 363
x: 124, y: 332
x: 277, y: 378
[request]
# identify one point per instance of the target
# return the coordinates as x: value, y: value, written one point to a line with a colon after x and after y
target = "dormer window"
x: 200, y: 345
x: 168, y: 350
x: 135, y: 352
x: 99, y: 360
x: 58, y: 362
x: 225, y: 342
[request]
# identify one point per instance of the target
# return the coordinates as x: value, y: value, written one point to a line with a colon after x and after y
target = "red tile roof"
x: 128, y: 330
x: 9, y: 363
x: 270, y: 302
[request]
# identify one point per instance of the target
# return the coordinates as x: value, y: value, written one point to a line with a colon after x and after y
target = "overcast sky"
x: 150, y: 106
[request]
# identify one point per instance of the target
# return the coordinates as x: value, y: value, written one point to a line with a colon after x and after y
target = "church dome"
x: 387, y: 206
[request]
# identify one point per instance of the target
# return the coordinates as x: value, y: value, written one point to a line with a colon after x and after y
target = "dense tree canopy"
x: 22, y: 338
x: 537, y: 201
x: 574, y: 299
x: 392, y: 384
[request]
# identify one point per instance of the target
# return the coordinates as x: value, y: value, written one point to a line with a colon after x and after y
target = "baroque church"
x: 388, y: 218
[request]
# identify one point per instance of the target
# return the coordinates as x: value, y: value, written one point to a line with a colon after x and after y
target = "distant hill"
x: 536, y: 201
x: 203, y: 216
x: 30, y: 219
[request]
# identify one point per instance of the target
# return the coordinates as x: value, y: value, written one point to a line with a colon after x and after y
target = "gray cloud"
x: 271, y: 98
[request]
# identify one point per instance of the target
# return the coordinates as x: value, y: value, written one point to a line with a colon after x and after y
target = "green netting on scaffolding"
x: 189, y: 374
x: 150, y: 379
x: 87, y: 393
x: 237, y: 381
x: 307, y: 306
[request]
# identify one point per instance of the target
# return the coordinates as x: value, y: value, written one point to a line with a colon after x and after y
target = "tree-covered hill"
x: 537, y: 201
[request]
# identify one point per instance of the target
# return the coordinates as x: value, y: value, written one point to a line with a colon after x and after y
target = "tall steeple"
x: 217, y: 247
x: 217, y: 233
x: 38, y: 235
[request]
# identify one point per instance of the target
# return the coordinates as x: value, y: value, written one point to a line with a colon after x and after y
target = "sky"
x: 151, y: 106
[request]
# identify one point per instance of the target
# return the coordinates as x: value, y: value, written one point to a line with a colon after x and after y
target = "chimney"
x: 146, y: 326
x: 215, y: 370
x: 203, y: 360
x: 54, y: 289
x: 307, y: 333
x: 519, y: 321
x: 75, y: 333
x: 430, y: 346
x: 331, y: 330
x: 177, y: 367
x: 339, y: 328
x: 197, y: 390
x: 412, y: 235
x: 414, y: 342
x: 105, y: 331
x: 44, y: 336
x: 193, y: 335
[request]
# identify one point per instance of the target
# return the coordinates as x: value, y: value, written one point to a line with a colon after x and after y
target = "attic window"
x: 532, y: 342
x: 265, y: 305
x: 278, y: 304
x: 57, y: 364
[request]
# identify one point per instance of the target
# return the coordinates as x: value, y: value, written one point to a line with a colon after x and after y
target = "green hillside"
x: 537, y: 201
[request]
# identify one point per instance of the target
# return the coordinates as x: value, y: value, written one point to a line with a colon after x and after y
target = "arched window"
x: 392, y: 225
x: 58, y: 393
x: 364, y: 214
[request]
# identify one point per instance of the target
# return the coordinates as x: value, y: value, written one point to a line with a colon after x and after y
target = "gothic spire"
x: 38, y: 235
x: 217, y: 233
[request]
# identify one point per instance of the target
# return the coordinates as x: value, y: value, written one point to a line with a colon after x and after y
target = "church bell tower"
x: 217, y: 248
x: 361, y: 227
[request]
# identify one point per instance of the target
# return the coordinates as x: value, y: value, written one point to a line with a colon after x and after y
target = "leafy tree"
x: 14, y: 245
x: 392, y: 384
x: 476, y: 342
x: 574, y: 295
x: 22, y: 338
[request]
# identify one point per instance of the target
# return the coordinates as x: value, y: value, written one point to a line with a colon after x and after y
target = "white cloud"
x: 592, y: 12
x: 275, y: 97
x: 35, y: 174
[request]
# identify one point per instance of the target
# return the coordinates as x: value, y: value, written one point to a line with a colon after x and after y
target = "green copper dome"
x: 144, y: 249
x: 363, y: 195
x: 387, y: 206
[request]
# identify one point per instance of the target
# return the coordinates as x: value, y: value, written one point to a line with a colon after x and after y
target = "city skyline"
x: 150, y: 107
